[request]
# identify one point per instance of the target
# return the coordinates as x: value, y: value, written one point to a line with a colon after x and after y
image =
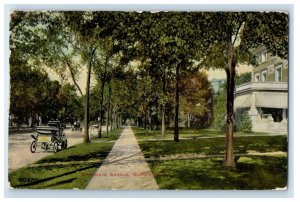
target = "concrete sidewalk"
x: 124, y: 168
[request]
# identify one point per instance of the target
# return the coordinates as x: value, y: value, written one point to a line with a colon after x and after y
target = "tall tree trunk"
x: 163, y: 112
x: 72, y: 74
x: 230, y: 73
x: 86, y: 125
x: 163, y: 119
x: 101, y: 109
x: 145, y: 121
x: 108, y: 109
x: 150, y: 119
x: 176, y: 103
x: 111, y: 118
x: 188, y: 120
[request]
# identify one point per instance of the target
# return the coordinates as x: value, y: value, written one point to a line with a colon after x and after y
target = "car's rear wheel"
x: 33, y: 147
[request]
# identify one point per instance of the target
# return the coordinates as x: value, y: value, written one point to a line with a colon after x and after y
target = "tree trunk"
x: 188, y: 120
x: 150, y: 119
x: 163, y: 113
x: 176, y: 104
x: 86, y: 126
x: 111, y: 119
x: 163, y: 120
x: 230, y: 73
x: 145, y: 122
x: 101, y: 109
x: 108, y: 109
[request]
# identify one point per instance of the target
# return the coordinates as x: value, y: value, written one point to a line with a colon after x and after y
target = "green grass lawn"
x: 187, y: 133
x: 211, y: 145
x: 67, y: 169
x: 252, y: 172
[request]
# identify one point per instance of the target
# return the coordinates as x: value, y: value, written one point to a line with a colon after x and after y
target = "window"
x: 278, y: 74
x: 263, y: 56
x: 256, y: 77
x: 264, y: 76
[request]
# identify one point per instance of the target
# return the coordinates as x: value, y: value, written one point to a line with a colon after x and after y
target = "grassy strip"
x: 64, y: 176
x: 112, y: 136
x: 252, y: 172
x: 144, y: 135
x: 209, y: 146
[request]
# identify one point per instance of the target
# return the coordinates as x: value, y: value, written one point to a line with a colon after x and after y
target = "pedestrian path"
x: 124, y: 168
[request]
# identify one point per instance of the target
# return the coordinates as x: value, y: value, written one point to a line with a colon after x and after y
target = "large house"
x: 266, y: 96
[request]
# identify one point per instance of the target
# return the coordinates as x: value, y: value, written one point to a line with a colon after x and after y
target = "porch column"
x: 284, y: 118
x: 253, y: 111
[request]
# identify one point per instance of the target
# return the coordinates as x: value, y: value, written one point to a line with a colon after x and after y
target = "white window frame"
x: 265, y: 78
x: 257, y: 77
x: 276, y: 74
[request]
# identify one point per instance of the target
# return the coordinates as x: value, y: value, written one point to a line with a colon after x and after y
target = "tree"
x: 231, y: 36
x: 246, y: 123
x: 167, y: 43
x: 52, y: 42
x: 195, y: 90
x: 219, y: 109
x: 63, y: 39
x: 33, y: 95
x: 107, y: 65
x: 243, y: 78
x: 70, y: 104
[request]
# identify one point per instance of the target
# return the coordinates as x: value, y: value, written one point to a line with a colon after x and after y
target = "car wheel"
x: 33, y: 147
x: 55, y: 147
x: 64, y: 144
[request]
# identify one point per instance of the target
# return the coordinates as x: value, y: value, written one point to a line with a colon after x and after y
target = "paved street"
x: 19, y: 154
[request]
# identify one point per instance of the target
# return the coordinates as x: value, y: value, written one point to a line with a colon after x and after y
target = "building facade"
x: 266, y: 96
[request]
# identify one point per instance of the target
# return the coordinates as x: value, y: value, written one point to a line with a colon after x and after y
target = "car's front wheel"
x: 64, y: 144
x: 33, y: 147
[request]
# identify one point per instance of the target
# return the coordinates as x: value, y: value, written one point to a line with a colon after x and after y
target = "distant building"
x: 266, y: 96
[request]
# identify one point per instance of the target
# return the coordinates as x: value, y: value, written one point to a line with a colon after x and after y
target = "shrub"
x: 246, y: 123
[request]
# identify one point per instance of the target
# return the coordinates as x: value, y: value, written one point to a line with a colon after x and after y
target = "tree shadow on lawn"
x: 79, y: 153
x: 36, y: 181
x: 77, y: 157
x: 209, y: 174
x: 63, y: 182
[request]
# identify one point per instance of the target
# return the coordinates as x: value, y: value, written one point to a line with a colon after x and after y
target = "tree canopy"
x: 146, y: 63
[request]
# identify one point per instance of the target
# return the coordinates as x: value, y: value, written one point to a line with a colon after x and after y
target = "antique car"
x: 77, y: 126
x: 49, y: 137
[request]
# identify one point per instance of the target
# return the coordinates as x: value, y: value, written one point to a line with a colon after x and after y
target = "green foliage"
x: 195, y: 90
x: 150, y: 45
x: 246, y: 123
x: 34, y: 94
x: 242, y: 78
x: 219, y: 109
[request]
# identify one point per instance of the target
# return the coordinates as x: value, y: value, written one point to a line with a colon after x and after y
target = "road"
x: 19, y: 154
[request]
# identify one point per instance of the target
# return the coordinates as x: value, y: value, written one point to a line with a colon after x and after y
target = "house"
x: 266, y: 96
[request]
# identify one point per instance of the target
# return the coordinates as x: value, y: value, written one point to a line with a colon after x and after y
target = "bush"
x: 246, y: 123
